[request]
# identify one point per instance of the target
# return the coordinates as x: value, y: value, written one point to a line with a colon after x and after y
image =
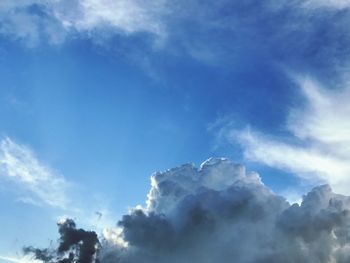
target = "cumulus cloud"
x: 36, y: 182
x: 222, y: 213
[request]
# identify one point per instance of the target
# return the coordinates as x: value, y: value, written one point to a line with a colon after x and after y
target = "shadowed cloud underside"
x: 221, y: 213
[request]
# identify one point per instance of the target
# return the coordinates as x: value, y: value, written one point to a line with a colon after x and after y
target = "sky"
x: 96, y: 96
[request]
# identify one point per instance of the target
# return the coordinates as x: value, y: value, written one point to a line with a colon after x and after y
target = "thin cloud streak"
x: 18, y: 260
x: 36, y: 184
x: 36, y: 20
x: 19, y: 165
x: 336, y: 4
x: 321, y: 130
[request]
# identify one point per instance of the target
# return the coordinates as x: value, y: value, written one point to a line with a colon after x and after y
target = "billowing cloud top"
x: 221, y: 213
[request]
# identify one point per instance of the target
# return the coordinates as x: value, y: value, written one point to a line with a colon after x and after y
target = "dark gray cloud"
x: 75, y: 245
x: 221, y: 213
x: 218, y: 213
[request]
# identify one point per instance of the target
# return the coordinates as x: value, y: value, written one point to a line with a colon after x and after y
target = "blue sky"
x: 97, y: 95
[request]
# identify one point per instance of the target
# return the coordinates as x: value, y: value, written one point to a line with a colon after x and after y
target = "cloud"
x: 34, y: 21
x: 75, y: 245
x: 337, y: 4
x: 126, y: 16
x: 222, y: 213
x: 19, y: 259
x: 307, y: 36
x: 36, y: 182
x: 318, y: 148
x: 224, y: 32
x: 30, y: 22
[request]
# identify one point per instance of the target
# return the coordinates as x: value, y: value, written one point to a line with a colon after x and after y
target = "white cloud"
x: 337, y: 4
x: 41, y: 185
x: 18, y: 259
x: 321, y: 128
x: 36, y: 184
x: 221, y: 213
x: 215, y: 173
x: 125, y: 15
x: 34, y: 20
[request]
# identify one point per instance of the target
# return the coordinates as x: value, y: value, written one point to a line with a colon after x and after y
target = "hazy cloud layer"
x: 221, y: 213
x: 35, y: 21
x: 308, y: 35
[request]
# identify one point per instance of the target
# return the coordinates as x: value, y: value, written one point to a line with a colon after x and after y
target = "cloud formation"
x: 222, y: 213
x: 320, y: 131
x: 287, y: 31
x: 37, y: 183
x: 35, y: 21
x: 34, y: 183
x: 19, y: 260
x: 337, y: 4
x: 75, y: 245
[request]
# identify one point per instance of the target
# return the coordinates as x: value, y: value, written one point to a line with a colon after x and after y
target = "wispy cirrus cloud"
x: 126, y: 16
x: 337, y: 4
x: 36, y: 183
x: 52, y: 21
x: 17, y: 259
x: 318, y: 148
